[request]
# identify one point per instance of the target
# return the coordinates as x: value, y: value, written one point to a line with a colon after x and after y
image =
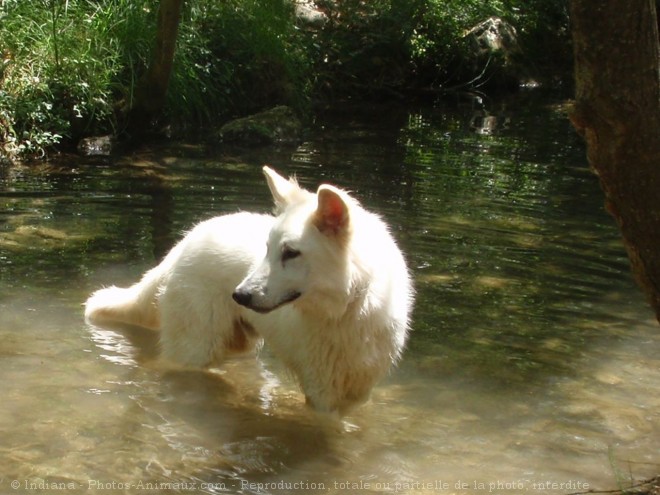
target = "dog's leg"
x: 187, y: 321
x: 200, y: 328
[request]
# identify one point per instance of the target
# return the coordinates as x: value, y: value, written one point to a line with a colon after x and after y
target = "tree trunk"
x: 151, y: 91
x: 617, y: 111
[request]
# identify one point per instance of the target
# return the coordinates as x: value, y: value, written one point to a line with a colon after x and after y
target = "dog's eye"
x: 289, y: 253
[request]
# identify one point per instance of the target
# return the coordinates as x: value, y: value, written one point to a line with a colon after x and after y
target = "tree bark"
x: 151, y: 91
x: 617, y: 111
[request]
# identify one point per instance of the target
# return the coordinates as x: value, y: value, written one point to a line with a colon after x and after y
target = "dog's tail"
x: 135, y: 305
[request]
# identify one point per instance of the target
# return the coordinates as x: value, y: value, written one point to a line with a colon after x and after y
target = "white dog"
x: 323, y: 283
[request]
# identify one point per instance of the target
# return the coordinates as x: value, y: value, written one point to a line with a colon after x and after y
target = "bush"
x: 70, y: 67
x: 363, y: 47
x: 383, y: 46
x: 443, y: 56
x: 237, y: 56
x: 438, y: 46
x: 62, y: 70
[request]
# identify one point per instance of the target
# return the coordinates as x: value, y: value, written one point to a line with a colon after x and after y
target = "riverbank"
x: 70, y: 71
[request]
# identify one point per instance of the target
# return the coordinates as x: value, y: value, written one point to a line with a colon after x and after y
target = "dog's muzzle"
x: 244, y: 298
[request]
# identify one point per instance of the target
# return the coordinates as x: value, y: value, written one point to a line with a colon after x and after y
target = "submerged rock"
x: 279, y: 125
x: 26, y: 237
x: 97, y: 146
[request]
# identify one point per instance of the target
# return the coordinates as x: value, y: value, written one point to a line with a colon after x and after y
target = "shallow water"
x: 532, y: 367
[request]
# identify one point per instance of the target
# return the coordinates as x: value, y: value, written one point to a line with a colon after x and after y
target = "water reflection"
x: 533, y: 356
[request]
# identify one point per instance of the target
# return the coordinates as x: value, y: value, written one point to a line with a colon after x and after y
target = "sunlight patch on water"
x: 121, y: 351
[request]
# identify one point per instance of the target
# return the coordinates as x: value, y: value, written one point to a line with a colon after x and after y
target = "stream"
x: 533, y: 364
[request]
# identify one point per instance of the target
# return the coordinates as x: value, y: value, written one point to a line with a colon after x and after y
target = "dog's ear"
x: 281, y: 188
x: 332, y: 214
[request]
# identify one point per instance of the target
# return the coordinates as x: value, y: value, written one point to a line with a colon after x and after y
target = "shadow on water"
x: 532, y: 358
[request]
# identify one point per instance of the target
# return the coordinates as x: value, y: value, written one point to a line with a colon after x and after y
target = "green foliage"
x: 441, y: 53
x: 438, y: 44
x: 382, y: 46
x: 62, y: 63
x: 544, y: 31
x: 363, y: 48
x: 69, y: 68
x: 237, y: 56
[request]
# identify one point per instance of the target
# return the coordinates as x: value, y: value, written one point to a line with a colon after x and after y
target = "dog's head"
x: 306, y: 257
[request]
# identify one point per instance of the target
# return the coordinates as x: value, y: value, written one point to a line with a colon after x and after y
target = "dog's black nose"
x: 242, y: 298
